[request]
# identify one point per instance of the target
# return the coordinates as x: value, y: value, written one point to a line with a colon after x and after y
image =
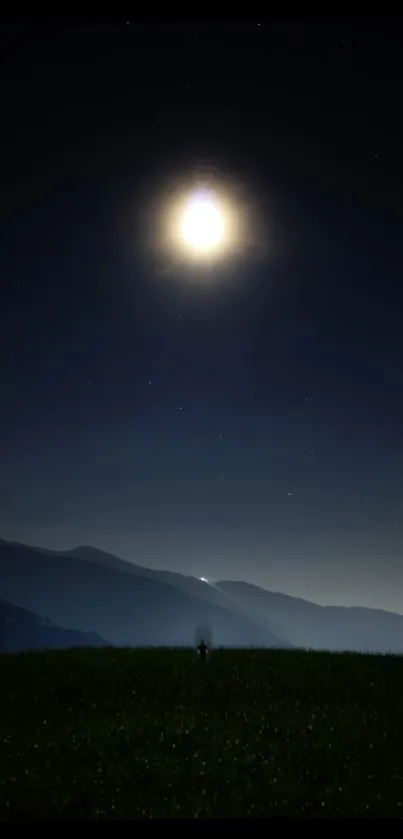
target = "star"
x: 289, y: 494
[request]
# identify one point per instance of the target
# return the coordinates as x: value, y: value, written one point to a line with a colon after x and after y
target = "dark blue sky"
x: 285, y: 466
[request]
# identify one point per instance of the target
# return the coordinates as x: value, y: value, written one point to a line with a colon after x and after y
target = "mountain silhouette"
x: 306, y: 624
x: 22, y: 630
x: 123, y: 603
x: 297, y: 622
x: 87, y: 589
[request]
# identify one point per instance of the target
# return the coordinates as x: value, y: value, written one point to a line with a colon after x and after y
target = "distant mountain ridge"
x: 296, y: 621
x: 89, y: 589
x: 23, y: 630
x: 129, y: 606
x: 308, y: 625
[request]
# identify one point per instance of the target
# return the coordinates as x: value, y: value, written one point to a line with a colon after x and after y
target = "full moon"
x: 202, y: 225
x: 205, y: 223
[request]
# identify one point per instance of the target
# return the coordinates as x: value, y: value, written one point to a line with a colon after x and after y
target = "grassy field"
x: 153, y: 733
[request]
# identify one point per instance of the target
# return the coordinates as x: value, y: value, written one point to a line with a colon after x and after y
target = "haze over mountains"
x: 86, y: 590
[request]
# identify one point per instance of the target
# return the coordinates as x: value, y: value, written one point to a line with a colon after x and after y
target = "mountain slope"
x: 87, y: 589
x: 208, y: 592
x: 305, y: 624
x: 22, y: 630
x: 123, y: 607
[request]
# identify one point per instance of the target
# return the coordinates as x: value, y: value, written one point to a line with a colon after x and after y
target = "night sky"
x: 244, y: 420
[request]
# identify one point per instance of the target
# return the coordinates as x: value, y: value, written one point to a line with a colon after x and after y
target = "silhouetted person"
x: 202, y: 650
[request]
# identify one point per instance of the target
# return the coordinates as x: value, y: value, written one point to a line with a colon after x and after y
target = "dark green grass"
x: 149, y: 733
